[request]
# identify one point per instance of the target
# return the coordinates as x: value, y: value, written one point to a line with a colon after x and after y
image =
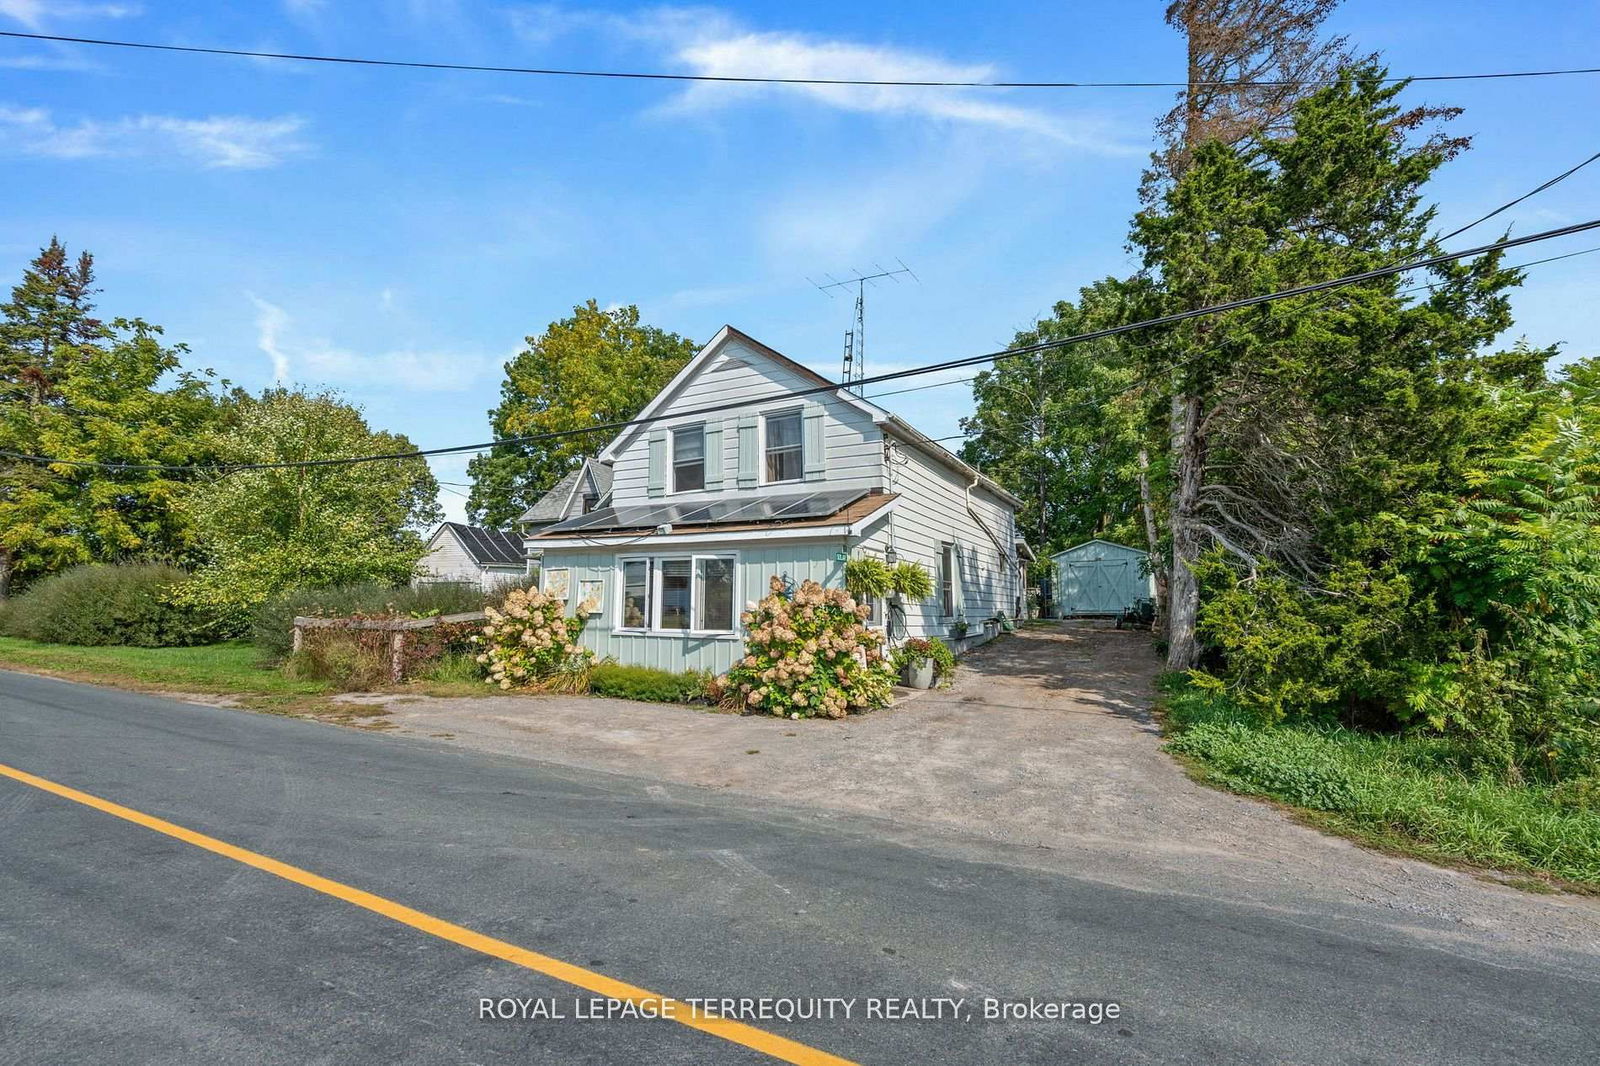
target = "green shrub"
x: 129, y: 604
x: 1290, y: 765
x: 648, y: 684
x: 272, y: 626
x: 1414, y: 790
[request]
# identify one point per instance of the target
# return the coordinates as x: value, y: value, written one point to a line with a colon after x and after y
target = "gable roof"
x: 1103, y: 543
x: 489, y: 547
x: 556, y: 504
x: 881, y: 417
x: 694, y: 366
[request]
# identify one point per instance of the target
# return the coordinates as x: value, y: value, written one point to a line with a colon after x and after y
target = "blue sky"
x: 397, y: 233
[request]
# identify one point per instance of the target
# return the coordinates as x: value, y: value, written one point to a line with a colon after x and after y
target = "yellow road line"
x: 771, y: 1044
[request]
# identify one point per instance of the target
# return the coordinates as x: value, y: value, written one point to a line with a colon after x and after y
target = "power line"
x: 950, y: 364
x: 751, y: 79
x: 1558, y: 179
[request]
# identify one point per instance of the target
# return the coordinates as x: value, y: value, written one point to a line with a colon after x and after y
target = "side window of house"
x: 688, y: 458
x: 947, y: 579
x: 714, y: 593
x: 785, y: 450
x: 636, y: 594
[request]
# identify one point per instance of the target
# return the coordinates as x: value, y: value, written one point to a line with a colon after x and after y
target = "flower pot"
x: 918, y: 675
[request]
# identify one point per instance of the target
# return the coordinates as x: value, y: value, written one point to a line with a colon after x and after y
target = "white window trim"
x: 652, y: 627
x: 761, y: 445
x: 672, y: 466
x: 619, y: 595
x: 949, y: 573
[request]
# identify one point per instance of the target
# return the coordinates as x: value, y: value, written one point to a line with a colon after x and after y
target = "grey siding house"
x: 791, y: 476
x: 472, y: 555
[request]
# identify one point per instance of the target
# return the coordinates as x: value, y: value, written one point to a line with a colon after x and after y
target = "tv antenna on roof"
x: 855, y: 338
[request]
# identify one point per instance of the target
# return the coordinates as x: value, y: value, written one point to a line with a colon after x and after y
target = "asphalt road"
x: 119, y: 944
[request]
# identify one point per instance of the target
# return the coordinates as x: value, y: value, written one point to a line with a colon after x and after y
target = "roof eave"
x: 945, y: 455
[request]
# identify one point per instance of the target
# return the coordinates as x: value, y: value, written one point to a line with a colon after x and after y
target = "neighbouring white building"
x: 789, y: 477
x: 472, y: 555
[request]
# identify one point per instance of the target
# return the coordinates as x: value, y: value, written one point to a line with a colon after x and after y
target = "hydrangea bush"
x: 530, y: 640
x: 808, y: 654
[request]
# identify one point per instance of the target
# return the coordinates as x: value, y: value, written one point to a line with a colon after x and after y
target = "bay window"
x: 678, y: 594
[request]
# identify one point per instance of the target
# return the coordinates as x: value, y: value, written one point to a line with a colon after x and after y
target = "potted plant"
x: 958, y: 628
x: 923, y: 662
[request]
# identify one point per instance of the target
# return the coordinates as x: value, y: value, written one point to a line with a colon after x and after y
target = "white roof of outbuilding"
x: 1116, y: 548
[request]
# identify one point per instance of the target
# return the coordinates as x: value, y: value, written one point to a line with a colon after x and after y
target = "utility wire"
x: 1558, y: 179
x: 748, y: 80
x: 834, y: 387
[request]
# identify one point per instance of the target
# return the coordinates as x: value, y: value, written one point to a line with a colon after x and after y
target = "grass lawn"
x: 1416, y: 795
x: 229, y: 669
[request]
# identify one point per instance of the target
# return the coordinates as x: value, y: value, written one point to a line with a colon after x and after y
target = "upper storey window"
x: 688, y: 458
x: 785, y: 450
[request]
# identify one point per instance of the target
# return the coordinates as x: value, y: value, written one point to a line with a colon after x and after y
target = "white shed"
x: 460, y: 554
x: 1098, y: 577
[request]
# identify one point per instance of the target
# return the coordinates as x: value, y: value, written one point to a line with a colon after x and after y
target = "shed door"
x: 1101, y: 586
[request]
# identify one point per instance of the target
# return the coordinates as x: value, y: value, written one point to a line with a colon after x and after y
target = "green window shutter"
x: 713, y: 456
x: 658, y: 462
x: 749, y: 449
x: 816, y: 451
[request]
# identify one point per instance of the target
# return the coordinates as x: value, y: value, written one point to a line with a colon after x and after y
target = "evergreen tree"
x: 48, y: 325
x: 79, y: 390
x: 1291, y: 421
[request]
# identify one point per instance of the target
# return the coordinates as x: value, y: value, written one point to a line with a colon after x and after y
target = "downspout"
x: 1005, y: 555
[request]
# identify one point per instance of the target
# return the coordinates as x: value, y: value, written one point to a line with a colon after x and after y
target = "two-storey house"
x: 786, y: 475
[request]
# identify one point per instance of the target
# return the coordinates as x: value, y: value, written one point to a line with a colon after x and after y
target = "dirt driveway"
x: 1044, y: 746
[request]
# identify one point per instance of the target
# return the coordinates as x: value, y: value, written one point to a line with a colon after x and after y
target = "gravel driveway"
x: 1043, y: 753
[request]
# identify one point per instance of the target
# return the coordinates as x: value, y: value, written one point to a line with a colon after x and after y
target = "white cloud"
x: 539, y: 24
x: 316, y: 361
x: 271, y: 321
x: 862, y: 213
x: 711, y: 44
x: 35, y: 14
x: 222, y: 141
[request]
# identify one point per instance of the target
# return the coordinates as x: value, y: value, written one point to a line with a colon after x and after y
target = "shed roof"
x: 1116, y: 548
x: 489, y: 547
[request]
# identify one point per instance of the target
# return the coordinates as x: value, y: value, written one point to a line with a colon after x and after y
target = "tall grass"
x: 272, y: 627
x: 1413, y: 792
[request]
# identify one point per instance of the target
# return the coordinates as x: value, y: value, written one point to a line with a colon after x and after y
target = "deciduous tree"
x: 305, y: 526
x: 594, y: 367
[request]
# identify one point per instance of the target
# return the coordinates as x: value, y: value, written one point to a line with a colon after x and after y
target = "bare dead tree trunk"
x: 1188, y: 540
x: 1183, y: 605
x: 1152, y: 537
